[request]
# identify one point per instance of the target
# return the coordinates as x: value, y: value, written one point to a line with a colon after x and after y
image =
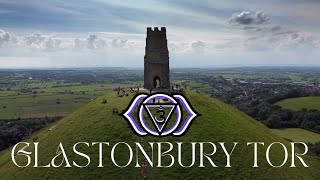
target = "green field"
x: 205, y: 88
x: 298, y: 135
x: 41, y: 105
x: 312, y: 102
x: 50, y: 99
x: 219, y: 122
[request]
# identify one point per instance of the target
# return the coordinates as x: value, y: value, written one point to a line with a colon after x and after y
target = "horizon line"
x: 177, y: 67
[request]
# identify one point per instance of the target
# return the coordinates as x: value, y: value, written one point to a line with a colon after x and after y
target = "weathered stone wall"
x: 156, y: 59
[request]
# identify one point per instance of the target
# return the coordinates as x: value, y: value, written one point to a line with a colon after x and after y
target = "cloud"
x: 249, y: 18
x: 300, y: 41
x: 119, y: 42
x: 278, y: 38
x: 188, y: 48
x: 39, y: 41
x: 178, y: 47
x: 43, y: 42
x: 260, y: 36
x: 6, y: 38
x: 93, y: 42
x: 198, y: 46
x: 101, y: 49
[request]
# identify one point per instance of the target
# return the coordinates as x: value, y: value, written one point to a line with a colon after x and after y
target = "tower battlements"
x: 156, y: 31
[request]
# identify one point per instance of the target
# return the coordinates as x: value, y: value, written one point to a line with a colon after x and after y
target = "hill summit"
x: 95, y: 122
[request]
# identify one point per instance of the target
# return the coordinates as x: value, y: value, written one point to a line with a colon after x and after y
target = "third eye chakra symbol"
x: 160, y: 114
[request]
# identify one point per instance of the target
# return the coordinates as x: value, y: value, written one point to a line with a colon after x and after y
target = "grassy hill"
x: 219, y: 123
x: 312, y: 102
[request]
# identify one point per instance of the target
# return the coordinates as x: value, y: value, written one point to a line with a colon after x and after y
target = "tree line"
x: 275, y: 117
x: 13, y: 131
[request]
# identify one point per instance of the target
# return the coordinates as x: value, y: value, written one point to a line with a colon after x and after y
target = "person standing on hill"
x: 144, y: 170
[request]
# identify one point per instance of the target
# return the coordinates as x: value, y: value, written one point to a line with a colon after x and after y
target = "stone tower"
x: 156, y: 60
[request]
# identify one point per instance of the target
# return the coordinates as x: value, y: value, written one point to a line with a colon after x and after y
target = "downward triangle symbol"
x: 160, y: 114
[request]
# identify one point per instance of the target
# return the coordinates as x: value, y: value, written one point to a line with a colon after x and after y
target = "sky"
x: 202, y: 33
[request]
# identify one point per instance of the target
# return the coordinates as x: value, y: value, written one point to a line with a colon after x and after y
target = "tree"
x: 273, y: 121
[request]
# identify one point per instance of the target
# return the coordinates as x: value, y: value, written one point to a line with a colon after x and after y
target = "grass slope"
x: 297, y: 134
x: 219, y: 123
x: 312, y: 102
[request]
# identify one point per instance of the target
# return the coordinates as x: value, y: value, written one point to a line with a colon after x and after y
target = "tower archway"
x: 156, y: 82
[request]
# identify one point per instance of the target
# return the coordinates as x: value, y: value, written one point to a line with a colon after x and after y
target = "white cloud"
x: 119, y: 42
x: 93, y: 42
x: 53, y: 42
x: 95, y: 49
x: 39, y: 41
x: 249, y: 18
x: 6, y: 39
